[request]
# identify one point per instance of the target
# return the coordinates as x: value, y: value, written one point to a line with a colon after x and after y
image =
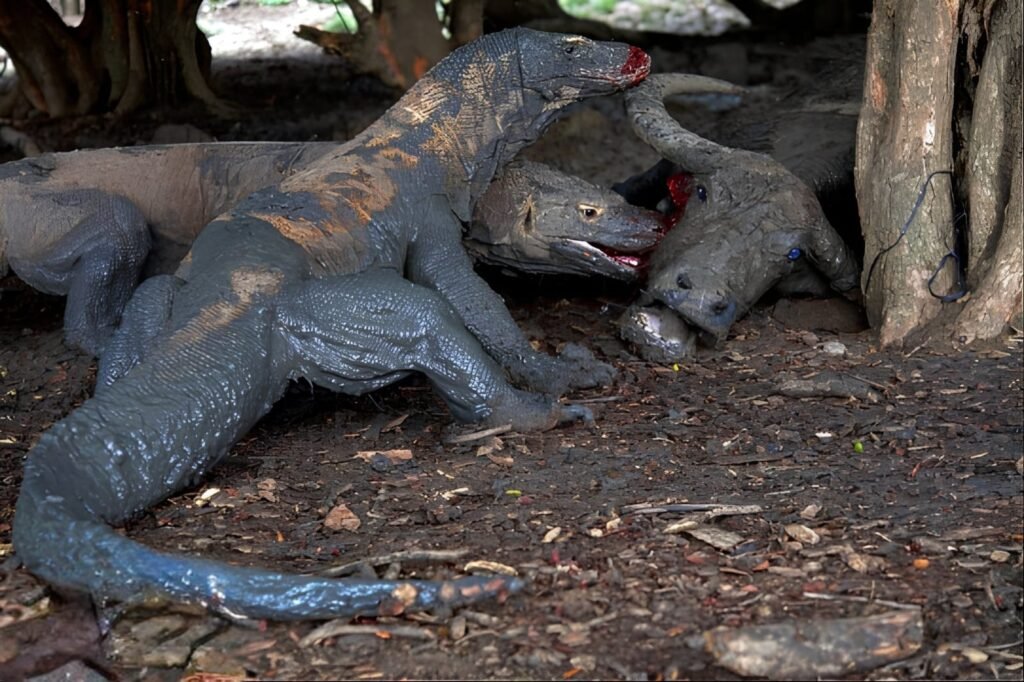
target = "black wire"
x: 961, y: 291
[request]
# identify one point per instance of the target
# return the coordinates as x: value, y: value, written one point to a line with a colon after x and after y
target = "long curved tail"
x: 88, y: 555
x: 158, y: 430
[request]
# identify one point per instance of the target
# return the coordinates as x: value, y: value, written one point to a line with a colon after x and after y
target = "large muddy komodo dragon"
x: 350, y: 273
x: 86, y: 224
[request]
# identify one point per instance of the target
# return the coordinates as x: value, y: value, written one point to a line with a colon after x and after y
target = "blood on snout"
x: 638, y: 64
x: 680, y: 186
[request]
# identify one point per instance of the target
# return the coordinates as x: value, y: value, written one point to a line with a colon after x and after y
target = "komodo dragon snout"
x: 540, y: 220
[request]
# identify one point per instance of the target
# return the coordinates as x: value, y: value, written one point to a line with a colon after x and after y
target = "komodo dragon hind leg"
x: 144, y: 320
x: 96, y: 264
x: 360, y: 332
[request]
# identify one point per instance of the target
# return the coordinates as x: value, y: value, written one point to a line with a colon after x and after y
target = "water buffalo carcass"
x: 749, y: 225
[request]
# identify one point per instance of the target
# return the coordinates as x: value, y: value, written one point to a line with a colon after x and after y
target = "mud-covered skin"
x: 82, y: 224
x: 74, y: 230
x: 539, y: 220
x: 749, y: 223
x: 315, y: 289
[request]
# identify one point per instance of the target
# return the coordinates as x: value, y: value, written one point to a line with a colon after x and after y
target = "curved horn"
x: 655, y: 126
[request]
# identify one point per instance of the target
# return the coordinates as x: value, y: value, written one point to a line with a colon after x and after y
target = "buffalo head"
x: 748, y: 225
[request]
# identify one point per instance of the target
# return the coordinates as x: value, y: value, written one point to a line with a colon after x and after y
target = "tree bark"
x: 994, y: 184
x: 125, y: 54
x: 942, y: 93
x: 905, y: 133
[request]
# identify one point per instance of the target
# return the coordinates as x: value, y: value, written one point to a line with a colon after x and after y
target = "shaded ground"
x: 925, y: 516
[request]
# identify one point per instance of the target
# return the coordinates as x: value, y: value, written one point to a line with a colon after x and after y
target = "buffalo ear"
x: 833, y: 258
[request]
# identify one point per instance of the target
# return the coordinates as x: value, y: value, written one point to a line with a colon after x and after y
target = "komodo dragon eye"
x: 794, y: 254
x: 702, y: 193
x: 589, y: 212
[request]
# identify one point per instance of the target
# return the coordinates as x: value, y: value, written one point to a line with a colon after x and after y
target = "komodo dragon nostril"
x: 683, y: 282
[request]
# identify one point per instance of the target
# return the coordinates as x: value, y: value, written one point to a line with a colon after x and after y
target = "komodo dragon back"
x: 258, y: 309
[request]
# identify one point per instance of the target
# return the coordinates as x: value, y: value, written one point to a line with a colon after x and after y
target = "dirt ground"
x: 869, y: 484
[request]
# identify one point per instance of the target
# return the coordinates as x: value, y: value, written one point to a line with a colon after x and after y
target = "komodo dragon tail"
x: 86, y: 554
x: 157, y: 431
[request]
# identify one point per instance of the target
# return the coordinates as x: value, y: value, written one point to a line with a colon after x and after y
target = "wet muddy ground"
x: 832, y: 482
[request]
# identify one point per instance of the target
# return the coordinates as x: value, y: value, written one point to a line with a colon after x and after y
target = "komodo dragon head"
x: 514, y: 83
x: 536, y: 219
x: 748, y: 222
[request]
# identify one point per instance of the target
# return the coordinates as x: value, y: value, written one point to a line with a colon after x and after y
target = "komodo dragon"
x: 82, y: 224
x: 305, y: 279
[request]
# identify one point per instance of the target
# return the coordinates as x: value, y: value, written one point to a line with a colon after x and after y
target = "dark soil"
x: 902, y: 492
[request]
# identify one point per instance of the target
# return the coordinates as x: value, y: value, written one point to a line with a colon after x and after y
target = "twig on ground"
x: 412, y: 555
x: 337, y: 628
x: 477, y: 435
x: 861, y: 600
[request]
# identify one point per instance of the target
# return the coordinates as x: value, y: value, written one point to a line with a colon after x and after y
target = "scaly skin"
x: 59, y: 219
x: 82, y: 224
x: 314, y: 288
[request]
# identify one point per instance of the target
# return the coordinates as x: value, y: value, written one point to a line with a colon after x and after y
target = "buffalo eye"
x: 702, y: 193
x: 794, y: 254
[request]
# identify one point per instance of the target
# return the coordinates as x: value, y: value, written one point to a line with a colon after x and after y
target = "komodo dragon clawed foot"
x: 574, y: 367
x: 350, y: 273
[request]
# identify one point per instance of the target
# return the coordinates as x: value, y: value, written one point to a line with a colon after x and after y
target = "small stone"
x: 999, y: 556
x: 834, y: 348
x: 810, y: 511
x: 802, y: 534
x: 457, y: 628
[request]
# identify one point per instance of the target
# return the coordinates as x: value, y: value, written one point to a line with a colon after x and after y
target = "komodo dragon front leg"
x: 277, y: 289
x: 439, y: 262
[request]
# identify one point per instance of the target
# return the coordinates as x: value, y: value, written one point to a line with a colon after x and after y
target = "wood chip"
x: 477, y: 435
x: 393, y: 456
x: 802, y: 533
x: 489, y: 567
x: 716, y: 537
x: 551, y: 535
x: 342, y: 518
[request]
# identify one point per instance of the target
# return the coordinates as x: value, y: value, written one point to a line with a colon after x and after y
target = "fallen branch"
x: 338, y: 628
x: 408, y: 556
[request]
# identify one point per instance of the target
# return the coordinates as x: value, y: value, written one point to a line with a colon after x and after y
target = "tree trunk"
x: 125, y: 54
x: 994, y: 184
x: 924, y: 108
